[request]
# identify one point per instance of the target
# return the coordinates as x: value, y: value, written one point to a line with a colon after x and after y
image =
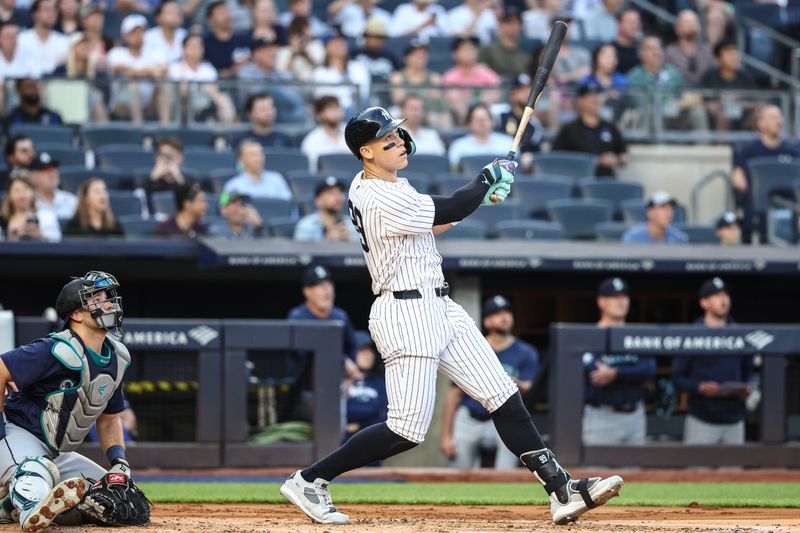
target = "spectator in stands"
x: 254, y: 181
x: 68, y: 17
x: 199, y: 93
x: 9, y: 12
x: 415, y: 78
x: 427, y: 140
x: 468, y: 74
x: 718, y: 18
x: 573, y: 63
x: 263, y: 63
x: 629, y: 32
x: 352, y: 15
x: 509, y: 121
x: 304, y: 52
x: 604, y: 69
x: 770, y: 143
x: 474, y: 18
x: 420, y: 18
x: 602, y: 24
x: 376, y: 57
x: 689, y: 53
x: 30, y: 109
x: 328, y: 222
x: 225, y: 49
x: 44, y: 48
x: 537, y: 19
x: 132, y: 99
x: 191, y: 205
x: 338, y: 71
x: 304, y: 8
x: 729, y: 229
x: 46, y: 180
x: 328, y: 136
x: 166, y: 174
x: 82, y: 66
x: 503, y: 54
x: 614, y: 384
x: 717, y: 386
x: 261, y: 113
x: 658, y: 229
x: 242, y: 220
x: 19, y: 154
x: 265, y: 23
x: 92, y: 19
x: 12, y: 59
x: 20, y: 218
x: 467, y: 426
x: 93, y: 217
x: 367, y: 403
x: 728, y: 111
x: 167, y: 37
x: 591, y: 134
x: 481, y: 139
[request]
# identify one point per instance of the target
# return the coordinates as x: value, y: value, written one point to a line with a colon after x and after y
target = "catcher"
x: 58, y: 387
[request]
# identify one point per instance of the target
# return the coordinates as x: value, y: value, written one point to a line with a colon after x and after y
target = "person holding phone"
x: 327, y: 223
x: 19, y: 218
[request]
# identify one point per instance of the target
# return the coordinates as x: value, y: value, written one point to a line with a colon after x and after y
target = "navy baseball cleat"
x: 313, y: 499
x: 581, y: 495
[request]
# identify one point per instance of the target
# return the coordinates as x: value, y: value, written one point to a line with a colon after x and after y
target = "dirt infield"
x: 249, y: 518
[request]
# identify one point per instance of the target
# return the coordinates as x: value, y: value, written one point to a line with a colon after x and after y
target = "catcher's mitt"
x: 115, y: 500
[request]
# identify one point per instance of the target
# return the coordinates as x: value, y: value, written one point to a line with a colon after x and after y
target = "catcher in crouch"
x: 58, y: 387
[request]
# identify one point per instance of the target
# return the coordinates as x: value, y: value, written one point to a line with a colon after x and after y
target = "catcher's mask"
x: 77, y: 293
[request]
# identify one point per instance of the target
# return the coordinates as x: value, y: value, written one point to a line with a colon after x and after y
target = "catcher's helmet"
x: 373, y: 123
x: 77, y: 292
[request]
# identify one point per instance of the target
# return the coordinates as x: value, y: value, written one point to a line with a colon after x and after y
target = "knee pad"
x: 513, y: 408
x: 34, y: 478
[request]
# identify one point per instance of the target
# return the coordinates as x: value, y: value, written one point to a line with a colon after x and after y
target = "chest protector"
x: 70, y: 412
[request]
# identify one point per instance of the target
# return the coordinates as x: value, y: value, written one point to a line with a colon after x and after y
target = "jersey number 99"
x: 358, y: 223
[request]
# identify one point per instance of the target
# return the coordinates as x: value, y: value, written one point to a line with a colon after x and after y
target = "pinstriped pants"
x: 416, y: 338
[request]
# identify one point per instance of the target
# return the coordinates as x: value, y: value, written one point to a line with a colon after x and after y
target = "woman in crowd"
x: 481, y: 139
x: 304, y: 53
x: 19, y: 218
x: 338, y: 72
x: 82, y: 65
x: 265, y: 23
x: 93, y: 217
x: 68, y: 20
x: 418, y: 80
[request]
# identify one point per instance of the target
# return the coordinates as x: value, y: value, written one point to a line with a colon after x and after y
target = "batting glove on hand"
x: 498, y: 172
x: 497, y: 193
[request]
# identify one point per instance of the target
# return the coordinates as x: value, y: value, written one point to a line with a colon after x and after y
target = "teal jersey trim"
x: 101, y: 360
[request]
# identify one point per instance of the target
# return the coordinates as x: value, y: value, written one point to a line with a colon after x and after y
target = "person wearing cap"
x: 42, y: 47
x: 166, y: 38
x: 503, y: 55
x: 254, y: 180
x: 352, y: 15
x: 328, y: 222
x: 613, y: 410
x: 590, y: 134
x: 428, y: 140
x: 467, y: 427
x: 420, y: 18
x: 338, y: 72
x: 379, y: 60
x: 191, y: 206
x: 328, y: 136
x: 242, y: 220
x: 224, y: 48
x: 729, y: 229
x: 30, y: 109
x: 658, y: 229
x: 717, y: 386
x: 46, y: 180
x: 367, y: 402
x: 509, y: 121
x: 474, y: 17
x: 471, y: 80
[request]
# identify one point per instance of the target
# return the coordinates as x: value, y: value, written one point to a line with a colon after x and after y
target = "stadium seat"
x: 579, y: 216
x: 772, y: 176
x: 189, y: 136
x: 72, y: 177
x: 163, y: 202
x: 124, y: 203
x: 136, y: 227
x: 208, y: 159
x: 571, y: 164
x: 281, y: 227
x: 615, y: 192
x: 41, y: 134
x: 421, y: 182
x: 466, y: 229
x: 610, y: 231
x: 96, y: 135
x: 447, y: 185
x: 344, y: 162
x: 435, y: 165
x: 472, y: 164
x: 274, y: 208
x: 532, y: 230
x: 216, y: 178
x: 66, y: 155
x: 494, y: 214
x: 127, y: 156
x: 699, y: 234
x: 533, y: 194
x: 304, y: 183
x: 285, y: 160
x: 635, y: 211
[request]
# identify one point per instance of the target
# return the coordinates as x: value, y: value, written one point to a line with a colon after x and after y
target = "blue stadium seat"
x: 304, y: 183
x: 771, y: 176
x: 472, y: 164
x: 571, y: 164
x: 579, y: 216
x: 116, y: 179
x: 533, y: 194
x: 494, y: 214
x: 189, y: 136
x: 532, y: 230
x: 615, y: 192
x: 449, y: 184
x: 466, y: 229
x: 610, y: 231
x: 124, y: 203
x: 635, y: 211
x: 163, y: 202
x: 699, y: 234
x: 127, y: 156
x: 274, y: 208
x: 96, y: 135
x: 66, y: 155
x: 136, y: 227
x: 421, y: 182
x: 285, y: 160
x: 39, y: 134
x: 344, y: 162
x: 208, y: 159
x: 281, y: 227
x: 430, y: 164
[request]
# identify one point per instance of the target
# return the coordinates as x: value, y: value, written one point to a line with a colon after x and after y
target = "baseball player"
x: 467, y: 427
x: 419, y: 330
x: 60, y: 386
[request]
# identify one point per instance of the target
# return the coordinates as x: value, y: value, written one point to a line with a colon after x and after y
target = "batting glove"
x: 499, y: 191
x: 499, y: 170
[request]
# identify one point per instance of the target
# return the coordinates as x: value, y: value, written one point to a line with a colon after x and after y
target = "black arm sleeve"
x: 463, y: 202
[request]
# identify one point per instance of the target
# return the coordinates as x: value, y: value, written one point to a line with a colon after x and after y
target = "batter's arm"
x: 451, y: 402
x: 438, y: 230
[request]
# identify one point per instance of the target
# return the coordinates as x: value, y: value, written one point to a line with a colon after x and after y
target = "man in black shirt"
x: 629, y: 31
x: 727, y: 110
x: 509, y: 121
x: 589, y: 133
x: 30, y: 109
x: 226, y: 50
x: 262, y: 114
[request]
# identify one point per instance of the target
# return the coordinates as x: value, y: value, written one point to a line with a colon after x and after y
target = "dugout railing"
x: 774, y: 343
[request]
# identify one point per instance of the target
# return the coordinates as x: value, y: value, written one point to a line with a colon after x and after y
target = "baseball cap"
x: 44, y: 160
x: 612, y: 287
x: 520, y: 80
x: 589, y: 88
x: 458, y: 41
x: 375, y: 27
x: 228, y: 197
x: 415, y: 44
x: 262, y: 42
x: 328, y: 183
x: 89, y: 9
x: 712, y: 286
x: 510, y: 13
x: 495, y: 304
x: 133, y: 21
x: 727, y: 219
x: 660, y: 198
x: 316, y: 274
x: 363, y: 338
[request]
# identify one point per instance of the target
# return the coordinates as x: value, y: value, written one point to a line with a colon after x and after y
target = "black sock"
x: 515, y: 427
x: 371, y: 444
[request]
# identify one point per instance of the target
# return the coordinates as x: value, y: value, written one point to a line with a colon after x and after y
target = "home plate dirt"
x: 261, y: 518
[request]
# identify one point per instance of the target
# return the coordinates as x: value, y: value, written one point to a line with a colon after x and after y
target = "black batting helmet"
x: 370, y: 124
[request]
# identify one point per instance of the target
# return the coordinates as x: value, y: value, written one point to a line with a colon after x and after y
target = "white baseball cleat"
x: 63, y: 497
x: 314, y: 499
x: 584, y: 494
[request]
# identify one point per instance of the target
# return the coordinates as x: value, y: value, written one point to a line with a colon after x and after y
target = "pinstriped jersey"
x: 395, y: 223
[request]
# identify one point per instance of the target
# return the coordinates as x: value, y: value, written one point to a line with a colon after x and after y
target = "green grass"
x: 643, y: 494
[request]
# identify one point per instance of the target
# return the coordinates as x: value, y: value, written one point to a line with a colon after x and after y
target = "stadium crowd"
x: 266, y: 88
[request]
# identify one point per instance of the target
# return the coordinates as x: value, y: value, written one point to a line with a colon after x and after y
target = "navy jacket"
x: 632, y: 372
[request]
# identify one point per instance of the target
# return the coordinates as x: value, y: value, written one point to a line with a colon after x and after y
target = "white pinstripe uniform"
x: 417, y: 337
